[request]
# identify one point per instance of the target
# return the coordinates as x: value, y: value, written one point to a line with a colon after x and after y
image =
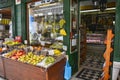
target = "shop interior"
x: 5, y: 18
x: 95, y: 21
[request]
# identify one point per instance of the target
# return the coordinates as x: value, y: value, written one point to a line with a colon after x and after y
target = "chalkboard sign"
x: 3, y: 1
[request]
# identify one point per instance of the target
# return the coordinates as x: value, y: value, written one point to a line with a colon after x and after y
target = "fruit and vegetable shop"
x: 59, y: 39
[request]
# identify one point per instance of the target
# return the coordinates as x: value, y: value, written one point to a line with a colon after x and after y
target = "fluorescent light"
x: 94, y: 10
x: 111, y: 8
x: 35, y: 14
x: 48, y: 4
x: 49, y: 13
x: 89, y: 10
x: 40, y: 14
x: 113, y: 22
x: 62, y: 11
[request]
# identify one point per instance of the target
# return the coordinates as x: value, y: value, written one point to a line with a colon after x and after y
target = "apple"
x: 14, y: 57
x: 20, y: 52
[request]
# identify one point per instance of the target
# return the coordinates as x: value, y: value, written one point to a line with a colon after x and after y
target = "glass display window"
x: 46, y: 21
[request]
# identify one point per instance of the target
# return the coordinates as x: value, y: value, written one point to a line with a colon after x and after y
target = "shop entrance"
x: 5, y: 23
x: 95, y: 21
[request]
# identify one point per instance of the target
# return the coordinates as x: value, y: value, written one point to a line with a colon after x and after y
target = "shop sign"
x: 3, y: 1
x: 18, y: 1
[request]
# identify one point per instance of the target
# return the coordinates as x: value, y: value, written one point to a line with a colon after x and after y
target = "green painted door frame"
x: 117, y: 33
x: 116, y: 56
x: 73, y: 56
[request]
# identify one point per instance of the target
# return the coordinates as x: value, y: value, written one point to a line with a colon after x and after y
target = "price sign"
x: 47, y: 1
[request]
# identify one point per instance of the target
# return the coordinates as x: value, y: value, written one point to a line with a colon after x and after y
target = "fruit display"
x: 63, y: 32
x: 56, y: 45
x: 57, y: 52
x: 37, y: 48
x: 31, y: 58
x: 14, y: 54
x: 49, y: 60
x: 1, y: 50
x: 18, y: 54
x: 9, y: 54
x: 62, y: 22
x: 22, y: 46
x: 11, y: 43
x: 34, y: 55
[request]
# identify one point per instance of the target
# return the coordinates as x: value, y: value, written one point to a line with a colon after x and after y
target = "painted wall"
x: 20, y: 10
x: 6, y: 3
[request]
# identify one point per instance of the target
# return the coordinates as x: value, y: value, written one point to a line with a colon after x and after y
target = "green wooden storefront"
x: 19, y: 27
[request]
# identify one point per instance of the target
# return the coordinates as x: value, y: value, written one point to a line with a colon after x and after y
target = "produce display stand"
x: 16, y: 70
x: 2, y: 71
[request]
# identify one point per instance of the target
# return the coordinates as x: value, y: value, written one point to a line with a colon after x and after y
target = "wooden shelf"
x: 83, y: 44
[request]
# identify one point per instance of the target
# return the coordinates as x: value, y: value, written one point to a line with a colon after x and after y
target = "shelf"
x: 83, y: 45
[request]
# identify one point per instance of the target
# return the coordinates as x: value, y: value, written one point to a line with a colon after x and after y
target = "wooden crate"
x: 2, y: 72
x: 20, y: 71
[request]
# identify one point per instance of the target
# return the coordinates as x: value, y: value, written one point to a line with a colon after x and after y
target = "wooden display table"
x: 2, y: 72
x: 16, y: 70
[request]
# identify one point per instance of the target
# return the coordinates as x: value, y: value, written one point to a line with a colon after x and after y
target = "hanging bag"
x: 67, y: 74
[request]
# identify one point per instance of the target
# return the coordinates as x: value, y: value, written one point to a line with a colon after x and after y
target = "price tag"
x: 65, y: 48
x: 51, y: 52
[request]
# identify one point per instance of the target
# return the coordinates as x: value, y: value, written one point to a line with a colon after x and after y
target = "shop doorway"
x: 5, y: 23
x: 95, y: 21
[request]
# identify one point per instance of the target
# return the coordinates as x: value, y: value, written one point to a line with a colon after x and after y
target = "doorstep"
x: 90, y: 75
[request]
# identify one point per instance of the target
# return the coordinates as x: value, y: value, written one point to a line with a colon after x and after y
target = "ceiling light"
x: 95, y: 10
x: 89, y: 10
x: 35, y: 15
x: 114, y: 22
x: 49, y: 13
x: 40, y: 14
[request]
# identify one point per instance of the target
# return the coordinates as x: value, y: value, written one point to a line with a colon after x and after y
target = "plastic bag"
x: 67, y: 74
